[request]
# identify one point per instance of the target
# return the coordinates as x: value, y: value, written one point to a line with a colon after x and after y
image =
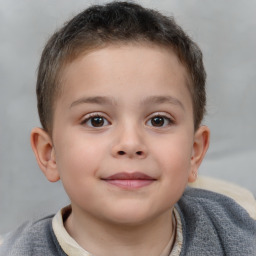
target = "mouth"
x: 133, y: 180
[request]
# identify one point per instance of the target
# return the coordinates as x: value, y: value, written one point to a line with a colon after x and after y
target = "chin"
x: 130, y: 217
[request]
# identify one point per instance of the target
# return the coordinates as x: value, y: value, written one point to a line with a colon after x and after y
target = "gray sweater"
x: 212, y: 224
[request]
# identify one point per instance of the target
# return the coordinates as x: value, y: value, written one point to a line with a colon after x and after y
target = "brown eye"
x: 157, y: 121
x: 95, y: 121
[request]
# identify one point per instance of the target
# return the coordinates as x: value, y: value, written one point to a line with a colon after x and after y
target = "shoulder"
x: 216, y: 223
x: 32, y: 238
x: 215, y: 205
x: 212, y: 201
x: 240, y: 195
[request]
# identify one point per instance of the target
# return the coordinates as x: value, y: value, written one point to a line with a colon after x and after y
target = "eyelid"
x: 161, y: 114
x: 88, y: 116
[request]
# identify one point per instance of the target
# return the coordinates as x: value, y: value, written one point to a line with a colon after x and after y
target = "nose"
x: 129, y: 143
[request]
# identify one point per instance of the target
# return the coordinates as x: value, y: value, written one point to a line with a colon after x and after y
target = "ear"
x: 42, y: 146
x: 200, y: 146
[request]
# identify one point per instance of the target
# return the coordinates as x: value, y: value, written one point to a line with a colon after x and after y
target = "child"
x: 121, y: 97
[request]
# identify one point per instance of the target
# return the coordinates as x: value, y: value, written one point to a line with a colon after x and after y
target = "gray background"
x: 226, y: 32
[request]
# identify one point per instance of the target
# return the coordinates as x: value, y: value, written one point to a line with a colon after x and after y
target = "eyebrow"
x: 162, y: 99
x: 102, y: 100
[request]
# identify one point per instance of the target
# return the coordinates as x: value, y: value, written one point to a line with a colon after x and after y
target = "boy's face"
x: 123, y: 133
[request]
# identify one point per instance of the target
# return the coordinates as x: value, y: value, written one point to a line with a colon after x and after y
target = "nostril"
x: 130, y: 154
x: 121, y: 153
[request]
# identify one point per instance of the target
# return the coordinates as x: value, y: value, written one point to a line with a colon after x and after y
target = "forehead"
x: 134, y: 65
x: 136, y: 53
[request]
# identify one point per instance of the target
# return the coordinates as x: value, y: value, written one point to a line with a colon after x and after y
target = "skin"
x: 139, y: 96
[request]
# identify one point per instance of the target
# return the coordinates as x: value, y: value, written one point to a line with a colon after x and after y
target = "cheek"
x: 77, y: 160
x: 78, y: 151
x: 174, y: 163
x: 77, y: 166
x: 173, y: 157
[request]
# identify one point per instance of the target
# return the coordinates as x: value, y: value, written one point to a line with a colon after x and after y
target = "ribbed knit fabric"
x: 32, y: 239
x: 212, y: 224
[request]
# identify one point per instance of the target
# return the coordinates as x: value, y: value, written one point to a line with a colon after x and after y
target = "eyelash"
x: 164, y: 118
x: 90, y: 117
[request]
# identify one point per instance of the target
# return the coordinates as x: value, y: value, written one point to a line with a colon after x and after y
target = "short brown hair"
x: 116, y: 22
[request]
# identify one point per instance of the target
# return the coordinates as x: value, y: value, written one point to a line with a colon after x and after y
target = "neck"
x: 149, y: 238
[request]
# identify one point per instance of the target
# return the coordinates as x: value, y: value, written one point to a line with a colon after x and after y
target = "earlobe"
x: 42, y: 146
x: 200, y: 146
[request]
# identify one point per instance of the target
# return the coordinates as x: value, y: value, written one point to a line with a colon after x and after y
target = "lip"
x: 134, y: 180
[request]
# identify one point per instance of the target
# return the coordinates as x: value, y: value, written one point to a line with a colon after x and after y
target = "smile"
x: 133, y: 180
